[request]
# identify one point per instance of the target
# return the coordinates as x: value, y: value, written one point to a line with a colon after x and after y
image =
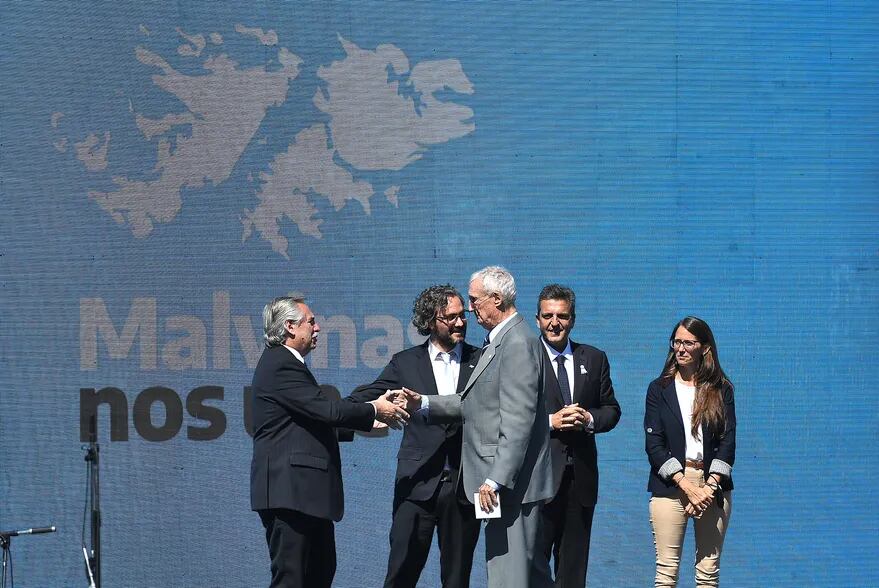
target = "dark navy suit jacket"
x: 296, y: 463
x: 593, y: 390
x: 666, y: 437
x: 424, y: 447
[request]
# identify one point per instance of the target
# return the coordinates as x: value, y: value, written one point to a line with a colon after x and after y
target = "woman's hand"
x: 699, y: 497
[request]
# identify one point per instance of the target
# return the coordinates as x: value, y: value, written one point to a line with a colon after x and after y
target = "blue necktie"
x: 564, y: 384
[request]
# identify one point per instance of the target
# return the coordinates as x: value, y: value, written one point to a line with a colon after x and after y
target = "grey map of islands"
x: 373, y: 126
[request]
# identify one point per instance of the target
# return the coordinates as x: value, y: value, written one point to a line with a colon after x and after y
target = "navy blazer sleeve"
x: 297, y: 393
x: 658, y: 451
x: 726, y: 445
x: 389, y: 379
x: 607, y: 414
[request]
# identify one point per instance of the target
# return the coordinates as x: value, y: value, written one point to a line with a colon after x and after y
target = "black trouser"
x: 302, y: 549
x: 567, y: 527
x: 412, y: 532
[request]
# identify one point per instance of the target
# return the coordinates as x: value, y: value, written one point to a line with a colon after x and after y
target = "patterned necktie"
x: 564, y: 384
x: 485, y: 341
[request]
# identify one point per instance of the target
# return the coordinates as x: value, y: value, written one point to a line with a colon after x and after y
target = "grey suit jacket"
x: 506, y: 428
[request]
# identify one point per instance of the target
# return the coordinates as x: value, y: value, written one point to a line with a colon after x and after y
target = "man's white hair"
x: 497, y: 280
x: 276, y: 313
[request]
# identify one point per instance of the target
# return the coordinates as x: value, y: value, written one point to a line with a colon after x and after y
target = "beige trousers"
x: 669, y: 523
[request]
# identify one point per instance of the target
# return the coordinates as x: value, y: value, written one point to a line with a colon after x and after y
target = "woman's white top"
x: 686, y: 398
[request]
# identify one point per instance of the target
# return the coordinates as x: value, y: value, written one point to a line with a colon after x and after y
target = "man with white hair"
x: 295, y: 474
x: 505, y: 455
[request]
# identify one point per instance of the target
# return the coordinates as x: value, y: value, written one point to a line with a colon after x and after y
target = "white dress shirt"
x: 295, y: 353
x: 686, y: 397
x: 446, y: 368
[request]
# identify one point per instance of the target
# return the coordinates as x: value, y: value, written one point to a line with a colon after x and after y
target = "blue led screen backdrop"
x: 168, y: 167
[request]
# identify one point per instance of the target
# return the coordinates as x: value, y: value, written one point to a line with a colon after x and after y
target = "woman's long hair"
x: 709, y: 377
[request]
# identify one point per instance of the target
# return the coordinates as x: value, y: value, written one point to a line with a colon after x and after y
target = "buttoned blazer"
x: 665, y: 436
x: 296, y: 463
x: 593, y: 391
x: 506, y: 429
x: 424, y: 447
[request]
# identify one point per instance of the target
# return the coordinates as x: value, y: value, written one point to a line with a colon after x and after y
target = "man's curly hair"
x: 430, y: 303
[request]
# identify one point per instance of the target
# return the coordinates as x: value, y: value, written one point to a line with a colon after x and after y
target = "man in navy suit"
x: 427, y: 495
x: 295, y: 474
x: 581, y: 403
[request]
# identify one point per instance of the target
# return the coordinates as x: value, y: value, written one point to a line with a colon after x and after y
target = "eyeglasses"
x: 474, y: 302
x: 451, y: 320
x: 688, y: 344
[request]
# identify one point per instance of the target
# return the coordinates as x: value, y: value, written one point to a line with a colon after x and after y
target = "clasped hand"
x: 406, y: 399
x: 571, y: 418
x: 699, y: 498
x: 389, y: 412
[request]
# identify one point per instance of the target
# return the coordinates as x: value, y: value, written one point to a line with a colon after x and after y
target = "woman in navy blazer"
x: 690, y: 430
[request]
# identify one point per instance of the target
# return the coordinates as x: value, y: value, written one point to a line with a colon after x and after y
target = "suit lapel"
x: 469, y: 358
x: 489, y: 352
x: 467, y: 362
x: 426, y: 369
x: 484, y: 360
x: 671, y: 398
x: 299, y: 364
x: 581, y: 370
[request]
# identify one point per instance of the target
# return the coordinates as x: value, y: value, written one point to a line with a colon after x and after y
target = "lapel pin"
x: 583, y: 370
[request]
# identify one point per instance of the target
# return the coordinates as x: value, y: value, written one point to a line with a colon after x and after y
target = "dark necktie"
x: 564, y: 385
x: 485, y: 341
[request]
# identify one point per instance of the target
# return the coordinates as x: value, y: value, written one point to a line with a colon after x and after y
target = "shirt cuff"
x: 670, y: 468
x: 494, y: 485
x: 425, y: 405
x: 720, y: 467
x: 590, y: 428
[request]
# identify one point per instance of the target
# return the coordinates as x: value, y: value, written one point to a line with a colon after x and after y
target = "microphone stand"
x: 93, y: 500
x: 6, y: 545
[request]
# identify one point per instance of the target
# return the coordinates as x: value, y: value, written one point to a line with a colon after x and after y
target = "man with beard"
x: 426, y: 489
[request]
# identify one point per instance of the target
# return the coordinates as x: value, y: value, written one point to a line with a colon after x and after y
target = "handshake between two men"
x: 391, y: 409
x: 395, y: 407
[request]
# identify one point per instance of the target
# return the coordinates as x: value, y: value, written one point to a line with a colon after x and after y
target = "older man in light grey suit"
x: 505, y: 453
